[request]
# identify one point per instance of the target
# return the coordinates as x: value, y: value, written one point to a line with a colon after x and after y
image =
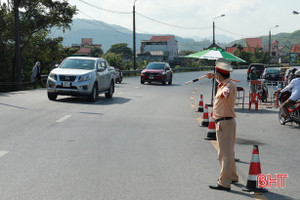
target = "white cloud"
x: 244, y: 17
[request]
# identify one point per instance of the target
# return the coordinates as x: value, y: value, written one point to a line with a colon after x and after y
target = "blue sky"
x: 243, y: 18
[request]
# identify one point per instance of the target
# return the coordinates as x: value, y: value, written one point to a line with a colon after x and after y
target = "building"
x: 159, y: 48
x: 295, y: 51
x: 278, y: 54
x: 85, y: 47
x: 250, y: 45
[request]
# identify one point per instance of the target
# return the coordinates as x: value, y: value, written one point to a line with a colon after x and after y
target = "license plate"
x: 151, y: 77
x: 66, y: 84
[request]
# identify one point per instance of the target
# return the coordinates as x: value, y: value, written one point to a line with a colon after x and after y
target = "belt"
x: 223, y: 118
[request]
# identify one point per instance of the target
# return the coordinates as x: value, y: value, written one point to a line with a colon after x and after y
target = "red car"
x: 157, y: 72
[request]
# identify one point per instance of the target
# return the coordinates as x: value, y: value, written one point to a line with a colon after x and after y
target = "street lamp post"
x: 270, y: 42
x: 134, y: 40
x: 223, y: 15
x: 214, y: 44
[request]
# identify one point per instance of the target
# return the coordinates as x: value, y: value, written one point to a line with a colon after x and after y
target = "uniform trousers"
x: 225, y: 132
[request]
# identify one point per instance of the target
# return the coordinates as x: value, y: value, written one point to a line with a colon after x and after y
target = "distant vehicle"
x: 283, y: 70
x: 84, y: 76
x: 118, y: 75
x: 271, y: 74
x: 157, y: 72
x: 259, y: 69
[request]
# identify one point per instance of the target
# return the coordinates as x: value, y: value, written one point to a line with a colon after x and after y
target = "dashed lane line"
x: 63, y: 118
x: 2, y: 153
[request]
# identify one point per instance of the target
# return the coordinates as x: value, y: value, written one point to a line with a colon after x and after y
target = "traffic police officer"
x: 224, y: 116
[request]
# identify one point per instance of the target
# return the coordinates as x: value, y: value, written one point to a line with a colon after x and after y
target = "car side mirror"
x: 56, y: 65
x: 100, y: 69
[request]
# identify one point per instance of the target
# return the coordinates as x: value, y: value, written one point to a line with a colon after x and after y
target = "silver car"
x: 85, y: 76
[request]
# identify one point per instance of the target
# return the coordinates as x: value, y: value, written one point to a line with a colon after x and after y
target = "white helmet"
x: 297, y: 73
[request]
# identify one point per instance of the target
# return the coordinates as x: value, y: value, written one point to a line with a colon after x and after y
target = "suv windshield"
x: 155, y: 66
x: 78, y: 64
x: 272, y: 71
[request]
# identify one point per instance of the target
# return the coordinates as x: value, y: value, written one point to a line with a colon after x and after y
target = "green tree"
x: 245, y: 55
x: 122, y: 49
x: 297, y: 59
x: 259, y: 56
x: 37, y: 17
x: 114, y: 60
x: 96, y: 52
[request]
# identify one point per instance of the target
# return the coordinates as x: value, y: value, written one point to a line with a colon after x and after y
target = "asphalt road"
x: 144, y: 143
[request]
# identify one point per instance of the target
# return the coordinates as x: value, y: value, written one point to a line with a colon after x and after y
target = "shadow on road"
x: 159, y: 84
x: 13, y: 106
x: 267, y: 195
x: 274, y: 196
x: 259, y: 111
x: 100, y: 100
x: 244, y: 141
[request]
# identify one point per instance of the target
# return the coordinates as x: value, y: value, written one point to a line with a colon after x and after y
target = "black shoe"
x: 232, y: 182
x: 288, y: 120
x: 218, y: 187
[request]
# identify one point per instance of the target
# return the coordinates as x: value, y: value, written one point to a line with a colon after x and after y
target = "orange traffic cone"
x: 254, y: 170
x: 205, y: 119
x: 211, y: 134
x: 200, y: 107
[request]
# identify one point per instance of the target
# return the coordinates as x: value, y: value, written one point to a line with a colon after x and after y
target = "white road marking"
x: 137, y: 87
x: 63, y: 118
x: 2, y: 153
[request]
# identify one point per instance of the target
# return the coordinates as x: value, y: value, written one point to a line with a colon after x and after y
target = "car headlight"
x: 85, y: 77
x: 53, y: 76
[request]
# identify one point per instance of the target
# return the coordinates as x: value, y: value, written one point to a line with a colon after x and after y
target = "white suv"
x: 81, y: 76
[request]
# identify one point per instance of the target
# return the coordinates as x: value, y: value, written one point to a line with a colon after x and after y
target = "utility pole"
x: 270, y: 43
x: 17, y: 64
x: 269, y: 47
x: 214, y: 84
x: 134, y: 47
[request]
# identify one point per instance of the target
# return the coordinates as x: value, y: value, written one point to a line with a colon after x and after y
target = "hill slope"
x: 107, y: 35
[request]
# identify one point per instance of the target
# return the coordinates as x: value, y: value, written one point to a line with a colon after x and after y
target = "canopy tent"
x: 215, y: 53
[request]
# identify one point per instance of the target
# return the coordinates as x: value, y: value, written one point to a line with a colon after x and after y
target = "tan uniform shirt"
x: 224, y: 106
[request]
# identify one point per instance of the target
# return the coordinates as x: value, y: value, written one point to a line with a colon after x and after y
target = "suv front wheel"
x: 52, y: 96
x: 111, y: 90
x: 94, y: 94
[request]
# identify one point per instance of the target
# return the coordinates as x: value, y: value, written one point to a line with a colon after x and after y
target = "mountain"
x: 284, y: 39
x: 109, y: 34
x: 219, y: 38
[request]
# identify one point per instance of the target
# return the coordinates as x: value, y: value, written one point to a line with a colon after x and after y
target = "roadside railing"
x: 9, y: 86
x: 179, y: 69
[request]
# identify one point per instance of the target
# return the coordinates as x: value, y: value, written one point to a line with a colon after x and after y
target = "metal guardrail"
x: 180, y: 69
x: 8, y: 86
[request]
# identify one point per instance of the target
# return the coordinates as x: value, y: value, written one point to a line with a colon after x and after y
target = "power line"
x: 149, y: 18
x: 240, y: 35
x: 175, y: 26
x: 114, y: 29
x: 104, y: 9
